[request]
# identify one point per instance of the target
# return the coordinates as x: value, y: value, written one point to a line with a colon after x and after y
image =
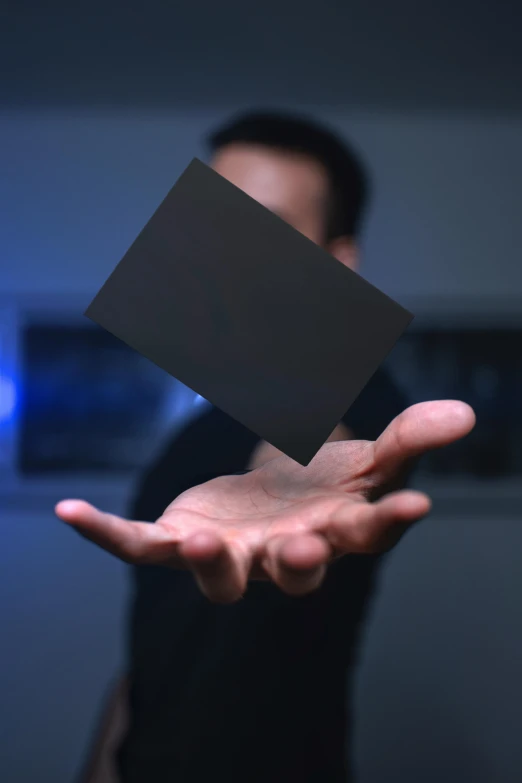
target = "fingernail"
x: 66, y: 506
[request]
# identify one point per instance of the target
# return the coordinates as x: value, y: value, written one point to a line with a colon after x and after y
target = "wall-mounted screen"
x: 89, y: 403
x: 482, y: 367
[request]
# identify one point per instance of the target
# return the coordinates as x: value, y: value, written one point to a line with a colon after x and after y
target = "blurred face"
x: 292, y: 186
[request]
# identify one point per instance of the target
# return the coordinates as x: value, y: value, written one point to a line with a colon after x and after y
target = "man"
x: 251, y: 589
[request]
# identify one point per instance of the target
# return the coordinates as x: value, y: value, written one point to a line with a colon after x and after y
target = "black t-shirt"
x: 256, y: 691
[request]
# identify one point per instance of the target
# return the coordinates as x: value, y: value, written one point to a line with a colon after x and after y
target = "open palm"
x: 282, y: 521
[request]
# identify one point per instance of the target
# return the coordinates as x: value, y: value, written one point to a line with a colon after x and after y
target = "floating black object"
x: 250, y: 314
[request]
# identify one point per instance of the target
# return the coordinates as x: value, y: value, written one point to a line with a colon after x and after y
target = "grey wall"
x: 62, y: 619
x: 441, y: 682
x: 403, y: 55
x: 80, y: 185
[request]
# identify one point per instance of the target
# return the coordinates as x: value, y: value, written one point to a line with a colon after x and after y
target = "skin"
x: 292, y: 186
x: 284, y: 522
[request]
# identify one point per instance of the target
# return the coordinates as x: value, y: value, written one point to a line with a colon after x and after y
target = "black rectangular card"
x: 250, y: 314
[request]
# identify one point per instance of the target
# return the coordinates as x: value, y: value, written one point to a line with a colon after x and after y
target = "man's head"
x: 299, y: 170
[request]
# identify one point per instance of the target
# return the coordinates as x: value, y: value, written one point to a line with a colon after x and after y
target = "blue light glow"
x: 7, y: 398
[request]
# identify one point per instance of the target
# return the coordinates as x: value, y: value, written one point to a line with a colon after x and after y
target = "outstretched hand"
x: 282, y: 521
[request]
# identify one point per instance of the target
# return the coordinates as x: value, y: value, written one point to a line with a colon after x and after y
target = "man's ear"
x: 346, y: 251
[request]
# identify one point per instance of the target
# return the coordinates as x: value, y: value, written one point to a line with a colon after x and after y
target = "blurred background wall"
x: 445, y: 219
x: 102, y: 106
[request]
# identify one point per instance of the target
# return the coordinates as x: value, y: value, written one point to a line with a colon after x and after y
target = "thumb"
x: 419, y: 429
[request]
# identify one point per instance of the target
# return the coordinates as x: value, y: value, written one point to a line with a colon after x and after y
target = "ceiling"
x: 400, y: 55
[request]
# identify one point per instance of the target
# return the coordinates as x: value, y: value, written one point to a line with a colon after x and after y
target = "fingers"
x: 297, y: 563
x: 133, y: 542
x: 419, y: 429
x: 220, y: 572
x: 371, y: 528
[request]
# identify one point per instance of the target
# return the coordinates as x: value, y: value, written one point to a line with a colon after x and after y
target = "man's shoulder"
x: 211, y: 423
x: 379, y: 402
x: 209, y: 444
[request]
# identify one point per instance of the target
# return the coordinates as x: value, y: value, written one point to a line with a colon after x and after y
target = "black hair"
x: 348, y: 179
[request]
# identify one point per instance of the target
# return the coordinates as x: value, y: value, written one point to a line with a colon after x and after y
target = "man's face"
x: 292, y: 186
